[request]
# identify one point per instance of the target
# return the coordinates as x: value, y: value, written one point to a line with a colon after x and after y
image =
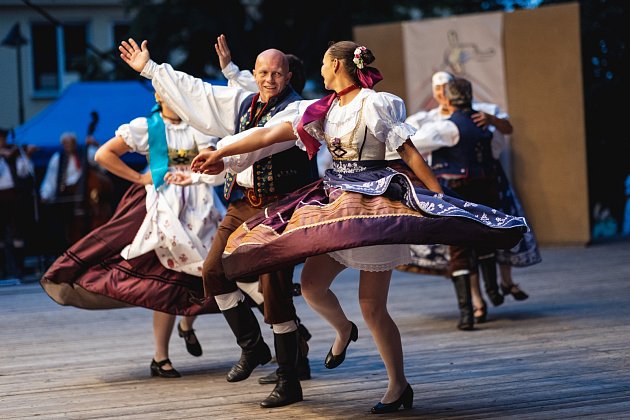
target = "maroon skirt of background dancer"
x: 91, y: 274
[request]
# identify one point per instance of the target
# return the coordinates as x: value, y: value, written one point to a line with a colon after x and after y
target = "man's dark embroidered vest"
x: 280, y: 173
x: 471, y: 157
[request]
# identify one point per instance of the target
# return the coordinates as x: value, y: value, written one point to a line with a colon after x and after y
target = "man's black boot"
x: 488, y: 268
x: 303, y: 364
x: 464, y: 301
x: 287, y: 390
x: 254, y: 351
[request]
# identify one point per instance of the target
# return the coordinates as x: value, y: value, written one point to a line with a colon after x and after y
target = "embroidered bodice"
x: 183, y: 141
x: 363, y: 129
x: 179, y: 157
x: 357, y: 144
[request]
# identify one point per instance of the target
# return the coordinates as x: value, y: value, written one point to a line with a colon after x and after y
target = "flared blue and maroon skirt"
x: 91, y: 274
x: 433, y: 259
x: 363, y: 204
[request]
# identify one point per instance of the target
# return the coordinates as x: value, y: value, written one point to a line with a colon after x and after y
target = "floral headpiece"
x: 358, y: 57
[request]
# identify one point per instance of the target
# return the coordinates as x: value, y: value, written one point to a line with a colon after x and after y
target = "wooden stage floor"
x: 564, y: 353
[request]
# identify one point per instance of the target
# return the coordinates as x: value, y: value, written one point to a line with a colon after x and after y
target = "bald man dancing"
x: 221, y: 111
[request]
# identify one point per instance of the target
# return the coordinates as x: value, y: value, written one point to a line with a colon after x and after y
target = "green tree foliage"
x: 183, y: 32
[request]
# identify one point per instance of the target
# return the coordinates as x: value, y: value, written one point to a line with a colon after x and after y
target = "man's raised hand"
x: 225, y: 56
x: 132, y: 54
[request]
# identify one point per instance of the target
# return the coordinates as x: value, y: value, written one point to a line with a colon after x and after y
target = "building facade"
x: 62, y: 41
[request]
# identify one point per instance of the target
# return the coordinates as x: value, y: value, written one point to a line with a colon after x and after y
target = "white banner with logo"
x: 465, y: 46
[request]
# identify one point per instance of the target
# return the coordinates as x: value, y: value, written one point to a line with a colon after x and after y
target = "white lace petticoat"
x: 373, y: 258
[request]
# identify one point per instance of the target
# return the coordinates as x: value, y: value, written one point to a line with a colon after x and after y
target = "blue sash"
x: 158, y: 149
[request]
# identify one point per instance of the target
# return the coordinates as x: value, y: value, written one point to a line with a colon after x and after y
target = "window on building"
x: 48, y: 54
x: 75, y: 40
x: 45, y: 64
x: 121, y: 31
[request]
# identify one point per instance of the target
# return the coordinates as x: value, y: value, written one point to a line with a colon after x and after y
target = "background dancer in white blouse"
x: 151, y: 252
x: 436, y: 130
x: 180, y: 222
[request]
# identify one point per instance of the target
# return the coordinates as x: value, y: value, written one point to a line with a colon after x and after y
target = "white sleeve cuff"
x: 230, y: 71
x: 212, y: 180
x: 229, y: 162
x: 398, y: 135
x: 195, y: 177
x: 149, y: 69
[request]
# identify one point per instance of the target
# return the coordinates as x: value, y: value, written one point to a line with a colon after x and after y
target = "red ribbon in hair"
x: 368, y: 77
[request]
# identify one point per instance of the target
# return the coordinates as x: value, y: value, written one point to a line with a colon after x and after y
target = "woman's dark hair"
x: 298, y: 77
x: 344, y: 52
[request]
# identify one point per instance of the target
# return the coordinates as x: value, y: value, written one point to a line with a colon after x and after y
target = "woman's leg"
x: 317, y: 276
x: 186, y: 323
x: 507, y: 284
x: 373, y: 290
x: 475, y: 292
x: 162, y: 328
x: 506, y: 276
x: 186, y: 331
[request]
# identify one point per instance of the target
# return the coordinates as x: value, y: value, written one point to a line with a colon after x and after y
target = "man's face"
x: 69, y: 144
x: 271, y: 74
x: 438, y: 94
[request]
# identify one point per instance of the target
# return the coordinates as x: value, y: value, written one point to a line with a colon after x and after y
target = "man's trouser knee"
x: 214, y: 281
x: 461, y: 259
x: 277, y: 289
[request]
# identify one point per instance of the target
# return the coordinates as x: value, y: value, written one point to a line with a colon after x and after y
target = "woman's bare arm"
x: 108, y: 156
x: 483, y: 119
x: 415, y: 161
x: 258, y: 139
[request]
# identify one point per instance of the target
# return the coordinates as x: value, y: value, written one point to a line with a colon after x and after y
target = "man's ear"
x: 289, y: 75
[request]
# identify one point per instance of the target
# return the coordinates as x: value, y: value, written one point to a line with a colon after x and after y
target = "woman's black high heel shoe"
x: 156, y: 369
x: 484, y: 314
x: 406, y: 400
x: 515, y: 291
x: 192, y: 344
x: 332, y: 361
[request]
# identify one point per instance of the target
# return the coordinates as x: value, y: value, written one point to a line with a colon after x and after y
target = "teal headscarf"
x: 158, y: 149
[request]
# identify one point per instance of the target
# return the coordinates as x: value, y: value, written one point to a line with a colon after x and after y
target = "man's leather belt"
x: 258, y: 202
